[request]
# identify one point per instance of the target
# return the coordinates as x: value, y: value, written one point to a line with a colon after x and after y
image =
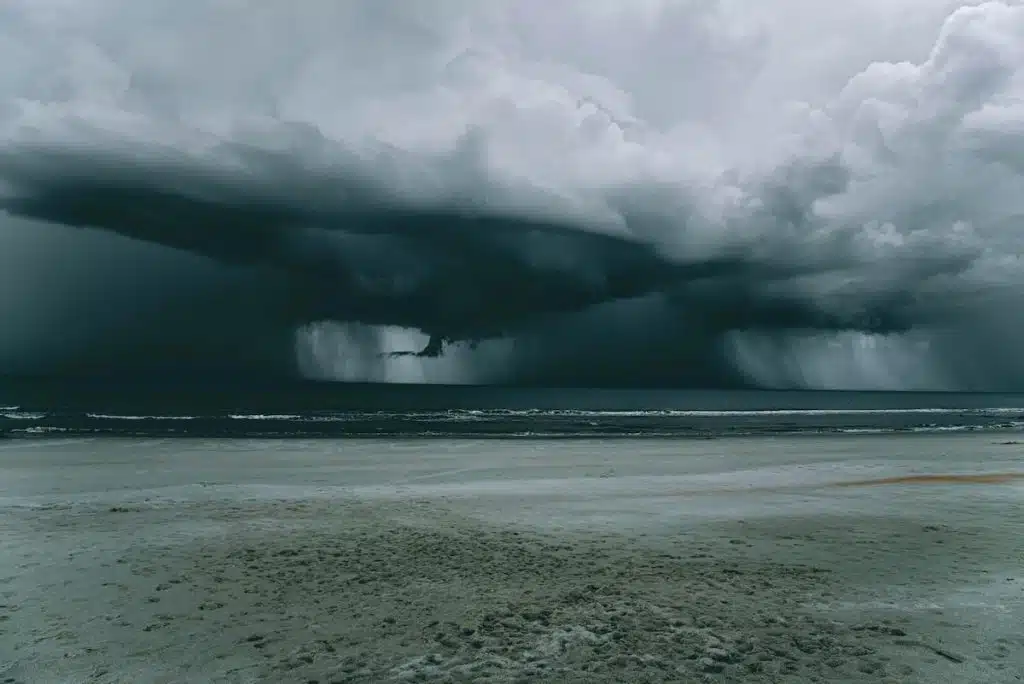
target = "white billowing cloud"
x: 925, y: 146
x: 880, y: 135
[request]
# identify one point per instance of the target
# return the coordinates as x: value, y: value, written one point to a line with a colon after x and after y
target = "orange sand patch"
x: 980, y: 478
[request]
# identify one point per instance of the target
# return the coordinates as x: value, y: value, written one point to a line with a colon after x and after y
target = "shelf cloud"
x: 672, y: 193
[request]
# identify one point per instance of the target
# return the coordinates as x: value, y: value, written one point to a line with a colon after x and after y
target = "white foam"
x: 264, y: 416
x: 105, y: 416
x: 476, y: 414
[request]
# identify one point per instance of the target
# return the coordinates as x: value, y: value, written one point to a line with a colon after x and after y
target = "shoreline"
x: 31, y: 435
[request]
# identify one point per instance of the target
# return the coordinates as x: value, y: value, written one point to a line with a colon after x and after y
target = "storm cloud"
x: 659, y: 192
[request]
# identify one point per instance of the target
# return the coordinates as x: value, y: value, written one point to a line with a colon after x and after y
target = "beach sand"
x: 861, y: 558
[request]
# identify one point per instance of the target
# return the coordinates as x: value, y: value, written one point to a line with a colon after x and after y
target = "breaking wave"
x: 513, y: 423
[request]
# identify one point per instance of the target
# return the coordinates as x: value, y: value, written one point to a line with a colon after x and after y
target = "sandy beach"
x: 856, y: 558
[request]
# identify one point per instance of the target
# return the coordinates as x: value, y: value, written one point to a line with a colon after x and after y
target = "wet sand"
x: 806, y: 559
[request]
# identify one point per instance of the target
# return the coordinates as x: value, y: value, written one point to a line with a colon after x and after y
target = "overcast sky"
x: 848, y: 173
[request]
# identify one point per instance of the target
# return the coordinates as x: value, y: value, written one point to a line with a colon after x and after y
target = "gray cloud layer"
x: 660, y: 191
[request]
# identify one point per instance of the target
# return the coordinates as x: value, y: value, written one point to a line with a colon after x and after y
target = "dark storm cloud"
x: 347, y: 252
x: 604, y: 207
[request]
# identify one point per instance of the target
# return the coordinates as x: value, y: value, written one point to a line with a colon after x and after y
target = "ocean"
x: 31, y: 408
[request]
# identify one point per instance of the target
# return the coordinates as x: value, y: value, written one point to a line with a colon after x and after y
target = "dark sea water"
x: 44, y: 407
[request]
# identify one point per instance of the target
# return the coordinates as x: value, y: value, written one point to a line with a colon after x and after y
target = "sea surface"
x: 31, y: 408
